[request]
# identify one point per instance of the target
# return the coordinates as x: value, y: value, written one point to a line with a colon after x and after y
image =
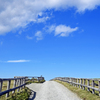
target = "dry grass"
x: 84, y: 94
x: 4, y: 87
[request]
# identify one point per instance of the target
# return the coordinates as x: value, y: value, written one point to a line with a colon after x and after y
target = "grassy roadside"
x: 4, y: 87
x: 21, y: 95
x: 83, y: 94
x: 31, y: 81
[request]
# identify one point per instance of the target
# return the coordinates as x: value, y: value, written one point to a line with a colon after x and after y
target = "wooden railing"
x: 18, y: 83
x: 82, y: 83
x: 34, y: 78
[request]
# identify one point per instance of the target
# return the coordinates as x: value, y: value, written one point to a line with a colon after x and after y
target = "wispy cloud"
x: 57, y: 30
x: 30, y: 38
x: 50, y: 28
x: 19, y: 13
x: 39, y: 35
x: 62, y: 30
x: 17, y: 61
x: 43, y: 19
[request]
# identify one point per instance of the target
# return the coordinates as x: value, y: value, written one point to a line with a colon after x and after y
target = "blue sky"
x: 50, y: 37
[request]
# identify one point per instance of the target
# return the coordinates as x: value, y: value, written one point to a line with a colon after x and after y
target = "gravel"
x: 51, y: 90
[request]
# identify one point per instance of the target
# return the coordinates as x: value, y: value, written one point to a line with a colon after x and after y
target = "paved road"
x: 51, y: 90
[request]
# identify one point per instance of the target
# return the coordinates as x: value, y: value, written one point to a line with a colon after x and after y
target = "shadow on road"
x: 33, y: 95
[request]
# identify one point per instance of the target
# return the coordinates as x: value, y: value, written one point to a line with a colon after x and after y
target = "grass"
x: 22, y: 95
x: 4, y: 87
x: 35, y: 81
x: 17, y: 94
x: 83, y: 94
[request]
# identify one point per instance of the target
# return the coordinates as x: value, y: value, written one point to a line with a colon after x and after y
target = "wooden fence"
x: 34, y: 78
x: 18, y: 83
x: 83, y: 83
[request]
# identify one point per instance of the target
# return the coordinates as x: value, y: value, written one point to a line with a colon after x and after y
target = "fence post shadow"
x: 33, y: 95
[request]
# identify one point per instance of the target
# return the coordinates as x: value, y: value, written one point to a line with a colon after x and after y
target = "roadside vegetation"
x: 83, y: 94
x: 35, y: 81
x: 22, y: 94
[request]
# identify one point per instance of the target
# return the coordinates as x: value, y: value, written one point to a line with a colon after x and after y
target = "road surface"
x: 51, y: 90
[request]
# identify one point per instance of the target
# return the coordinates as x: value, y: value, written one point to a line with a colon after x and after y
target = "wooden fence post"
x: 63, y: 79
x: 84, y: 84
x: 81, y: 83
x: 24, y: 82
x: 67, y: 79
x: 93, y: 91
x: 70, y: 81
x: 18, y: 83
x: 73, y: 81
x: 33, y: 79
x: 78, y: 83
x: 1, y: 82
x: 99, y: 86
x: 88, y: 84
x: 14, y: 86
x: 8, y: 87
x: 21, y: 80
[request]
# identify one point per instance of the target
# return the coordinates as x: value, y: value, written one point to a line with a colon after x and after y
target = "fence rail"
x: 18, y: 83
x: 82, y: 83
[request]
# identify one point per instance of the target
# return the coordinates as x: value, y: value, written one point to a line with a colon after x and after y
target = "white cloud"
x: 51, y: 28
x: 17, y: 61
x: 62, y: 30
x: 18, y: 13
x: 42, y: 19
x: 28, y: 37
x: 39, y: 35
